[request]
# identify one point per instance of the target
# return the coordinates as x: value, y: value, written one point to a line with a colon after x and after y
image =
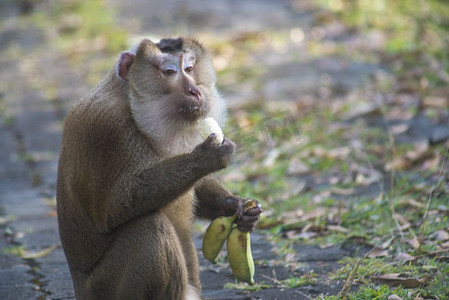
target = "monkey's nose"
x: 194, y: 91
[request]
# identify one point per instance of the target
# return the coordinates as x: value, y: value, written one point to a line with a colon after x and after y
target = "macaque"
x: 134, y: 172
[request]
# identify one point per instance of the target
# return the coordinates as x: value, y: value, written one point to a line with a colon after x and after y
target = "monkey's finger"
x: 239, y: 208
x: 247, y: 227
x: 254, y: 211
x: 247, y: 219
x: 210, y: 139
x: 227, y: 141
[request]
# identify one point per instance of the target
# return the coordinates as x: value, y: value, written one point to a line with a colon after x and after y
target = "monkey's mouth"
x: 193, y: 109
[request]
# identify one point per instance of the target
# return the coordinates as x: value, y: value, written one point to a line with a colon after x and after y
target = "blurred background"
x: 340, y: 111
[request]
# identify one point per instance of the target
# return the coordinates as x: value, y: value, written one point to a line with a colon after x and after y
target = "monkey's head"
x: 172, y: 81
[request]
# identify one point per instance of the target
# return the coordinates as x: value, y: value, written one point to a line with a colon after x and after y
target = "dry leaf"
x: 394, y: 297
x: 441, y: 235
x: 38, y: 254
x: 363, y: 110
x: 378, y: 252
x: 398, y: 129
x: 297, y: 167
x: 404, y: 224
x: 420, y: 152
x: 405, y: 257
x: 340, y: 152
x: 409, y: 202
x: 413, y: 242
x: 386, y: 244
x: 399, y: 163
x: 301, y: 235
x: 394, y: 279
x: 337, y: 228
x: 271, y: 157
x: 440, y: 102
x: 342, y: 191
x: 445, y: 245
x: 313, y: 214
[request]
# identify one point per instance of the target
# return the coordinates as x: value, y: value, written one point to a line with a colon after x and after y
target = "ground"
x: 285, y: 61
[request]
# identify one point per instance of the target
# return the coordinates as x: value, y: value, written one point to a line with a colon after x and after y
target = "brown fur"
x: 131, y: 177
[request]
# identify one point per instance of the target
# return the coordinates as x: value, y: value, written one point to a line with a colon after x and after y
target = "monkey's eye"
x: 189, y: 69
x: 169, y: 72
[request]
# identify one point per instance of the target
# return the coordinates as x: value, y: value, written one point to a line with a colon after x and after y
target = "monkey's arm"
x: 153, y: 186
x: 214, y: 201
x: 211, y: 196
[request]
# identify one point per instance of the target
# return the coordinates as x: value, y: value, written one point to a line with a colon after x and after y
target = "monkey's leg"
x: 192, y: 264
x: 145, y: 262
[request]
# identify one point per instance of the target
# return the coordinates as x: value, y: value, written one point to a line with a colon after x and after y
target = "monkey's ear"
x: 124, y: 63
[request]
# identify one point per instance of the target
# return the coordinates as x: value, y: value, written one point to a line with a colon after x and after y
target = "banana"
x: 215, y: 236
x: 208, y: 126
x: 239, y: 255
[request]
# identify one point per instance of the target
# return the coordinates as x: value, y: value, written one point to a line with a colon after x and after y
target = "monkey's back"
x: 102, y: 149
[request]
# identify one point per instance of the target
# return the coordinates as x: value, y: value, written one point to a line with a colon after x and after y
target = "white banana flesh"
x: 209, y: 126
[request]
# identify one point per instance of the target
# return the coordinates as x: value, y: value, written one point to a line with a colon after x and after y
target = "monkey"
x: 133, y: 173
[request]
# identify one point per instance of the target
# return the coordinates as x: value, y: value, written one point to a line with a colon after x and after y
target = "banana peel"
x: 239, y: 255
x: 215, y: 236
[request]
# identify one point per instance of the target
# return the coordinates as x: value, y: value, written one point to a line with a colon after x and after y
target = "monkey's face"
x: 178, y: 72
x: 173, y: 78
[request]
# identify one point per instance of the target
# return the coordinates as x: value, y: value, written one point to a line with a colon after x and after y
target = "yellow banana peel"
x: 215, y: 236
x: 239, y: 255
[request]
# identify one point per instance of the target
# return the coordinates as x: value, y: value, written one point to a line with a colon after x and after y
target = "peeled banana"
x: 208, y: 126
x: 215, y: 236
x: 239, y: 255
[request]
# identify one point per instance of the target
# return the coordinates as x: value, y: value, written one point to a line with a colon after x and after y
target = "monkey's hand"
x: 246, y: 220
x: 215, y: 156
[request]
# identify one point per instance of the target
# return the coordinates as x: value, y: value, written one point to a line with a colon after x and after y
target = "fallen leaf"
x: 399, y: 163
x: 413, y: 242
x: 445, y: 245
x: 340, y: 152
x: 378, y: 252
x: 363, y: 110
x: 420, y: 152
x: 404, y: 224
x: 398, y: 129
x: 441, y: 235
x: 409, y: 202
x: 337, y: 228
x: 404, y: 257
x: 313, y: 214
x: 300, y: 235
x: 297, y: 167
x: 395, y: 279
x: 434, y: 101
x: 367, y: 179
x: 386, y: 244
x: 38, y: 254
x: 271, y: 157
x: 313, y: 228
x: 394, y: 297
x: 342, y: 191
